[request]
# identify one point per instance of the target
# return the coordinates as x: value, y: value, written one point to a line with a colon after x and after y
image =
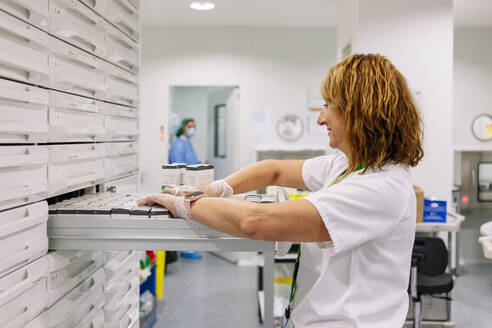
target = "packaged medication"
x: 198, y: 175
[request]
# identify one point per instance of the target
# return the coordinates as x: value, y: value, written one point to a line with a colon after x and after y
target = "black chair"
x: 428, y: 274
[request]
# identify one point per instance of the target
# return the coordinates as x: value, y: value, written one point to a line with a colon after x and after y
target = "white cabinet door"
x: 23, y: 51
x: 23, y: 236
x: 67, y: 269
x: 21, y: 280
x: 23, y: 113
x: 121, y: 160
x: 120, y: 122
x: 75, y: 71
x: 23, y: 172
x: 32, y: 12
x: 73, y: 22
x: 82, y: 304
x: 74, y: 118
x: 122, y: 50
x: 20, y: 311
x: 75, y: 166
x: 124, y: 15
x: 122, y: 86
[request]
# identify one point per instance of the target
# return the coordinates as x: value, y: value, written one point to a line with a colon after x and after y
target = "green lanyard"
x: 296, y: 267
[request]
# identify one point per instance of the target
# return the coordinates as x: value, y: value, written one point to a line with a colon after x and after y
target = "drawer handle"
x: 91, y: 266
x: 9, y: 293
x: 20, y: 321
x: 13, y: 260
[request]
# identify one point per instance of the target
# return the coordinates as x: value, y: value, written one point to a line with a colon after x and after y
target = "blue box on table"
x: 434, y: 210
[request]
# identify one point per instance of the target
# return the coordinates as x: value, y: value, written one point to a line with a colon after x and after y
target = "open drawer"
x: 75, y: 71
x: 67, y: 269
x: 41, y: 321
x: 18, y: 282
x: 74, y: 118
x: 23, y: 172
x: 32, y: 12
x: 120, y: 122
x: 23, y: 236
x: 23, y: 51
x: 74, y: 167
x: 23, y: 113
x: 121, y: 50
x: 27, y: 305
x: 115, y: 311
x: 73, y: 22
x: 121, y: 159
x: 122, y: 86
x: 81, y: 305
x: 124, y: 15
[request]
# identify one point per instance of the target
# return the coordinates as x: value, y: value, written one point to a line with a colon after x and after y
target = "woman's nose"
x: 321, y: 118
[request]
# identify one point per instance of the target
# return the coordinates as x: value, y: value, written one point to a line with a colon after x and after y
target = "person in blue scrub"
x: 181, y: 150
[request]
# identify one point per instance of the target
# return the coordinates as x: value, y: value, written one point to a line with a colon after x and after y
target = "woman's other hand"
x: 176, y: 205
x: 218, y: 188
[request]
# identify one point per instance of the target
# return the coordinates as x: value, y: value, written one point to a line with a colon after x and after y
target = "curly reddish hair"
x: 382, y: 119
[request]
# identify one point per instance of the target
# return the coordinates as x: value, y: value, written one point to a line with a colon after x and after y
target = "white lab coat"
x: 360, y: 279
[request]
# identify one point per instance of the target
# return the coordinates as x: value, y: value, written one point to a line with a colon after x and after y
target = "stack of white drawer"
x: 121, y: 289
x: 23, y: 265
x: 68, y: 84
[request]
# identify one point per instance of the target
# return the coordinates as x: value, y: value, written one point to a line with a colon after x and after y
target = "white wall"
x: 273, y: 67
x: 417, y: 36
x: 472, y: 83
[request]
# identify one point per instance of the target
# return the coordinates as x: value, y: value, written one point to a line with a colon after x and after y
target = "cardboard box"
x: 419, y: 194
x: 434, y: 210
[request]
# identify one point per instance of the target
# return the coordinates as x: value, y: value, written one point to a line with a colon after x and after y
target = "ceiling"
x: 298, y: 13
x: 241, y: 13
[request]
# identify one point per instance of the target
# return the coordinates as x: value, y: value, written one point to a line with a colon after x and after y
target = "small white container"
x: 198, y: 175
x: 170, y: 175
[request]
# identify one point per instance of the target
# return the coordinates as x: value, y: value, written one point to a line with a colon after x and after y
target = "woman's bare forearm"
x: 254, y: 176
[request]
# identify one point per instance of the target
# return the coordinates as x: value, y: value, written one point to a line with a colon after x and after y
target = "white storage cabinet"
x: 120, y: 122
x: 32, y: 12
x: 24, y: 176
x: 23, y: 295
x: 122, y: 86
x: 23, y: 113
x: 76, y: 71
x: 23, y: 51
x: 74, y: 118
x: 67, y: 269
x: 23, y: 236
x: 73, y: 22
x: 121, y: 50
x: 124, y: 15
x: 75, y: 166
x: 121, y: 159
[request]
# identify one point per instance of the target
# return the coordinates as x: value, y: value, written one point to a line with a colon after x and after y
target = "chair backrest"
x: 434, y: 255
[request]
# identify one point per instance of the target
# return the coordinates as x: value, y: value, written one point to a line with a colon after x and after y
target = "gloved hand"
x: 176, y: 205
x: 218, y: 188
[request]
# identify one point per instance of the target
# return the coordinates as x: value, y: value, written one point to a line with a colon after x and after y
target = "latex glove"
x: 176, y: 205
x: 218, y: 188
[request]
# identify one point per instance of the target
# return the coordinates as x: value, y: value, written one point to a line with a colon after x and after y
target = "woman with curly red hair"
x: 357, y: 226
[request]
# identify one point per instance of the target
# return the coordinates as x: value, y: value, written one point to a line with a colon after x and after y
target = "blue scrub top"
x: 181, y: 151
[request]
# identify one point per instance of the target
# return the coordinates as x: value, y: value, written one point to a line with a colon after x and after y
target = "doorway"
x: 215, y: 111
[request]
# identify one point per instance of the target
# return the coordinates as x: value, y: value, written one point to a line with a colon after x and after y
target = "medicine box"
x: 434, y: 210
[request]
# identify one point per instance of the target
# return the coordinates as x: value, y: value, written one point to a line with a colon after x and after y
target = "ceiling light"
x: 200, y: 5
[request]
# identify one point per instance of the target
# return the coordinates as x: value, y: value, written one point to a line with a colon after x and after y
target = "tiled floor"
x: 214, y: 293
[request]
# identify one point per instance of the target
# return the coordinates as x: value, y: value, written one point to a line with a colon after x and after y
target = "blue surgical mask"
x: 190, y: 132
